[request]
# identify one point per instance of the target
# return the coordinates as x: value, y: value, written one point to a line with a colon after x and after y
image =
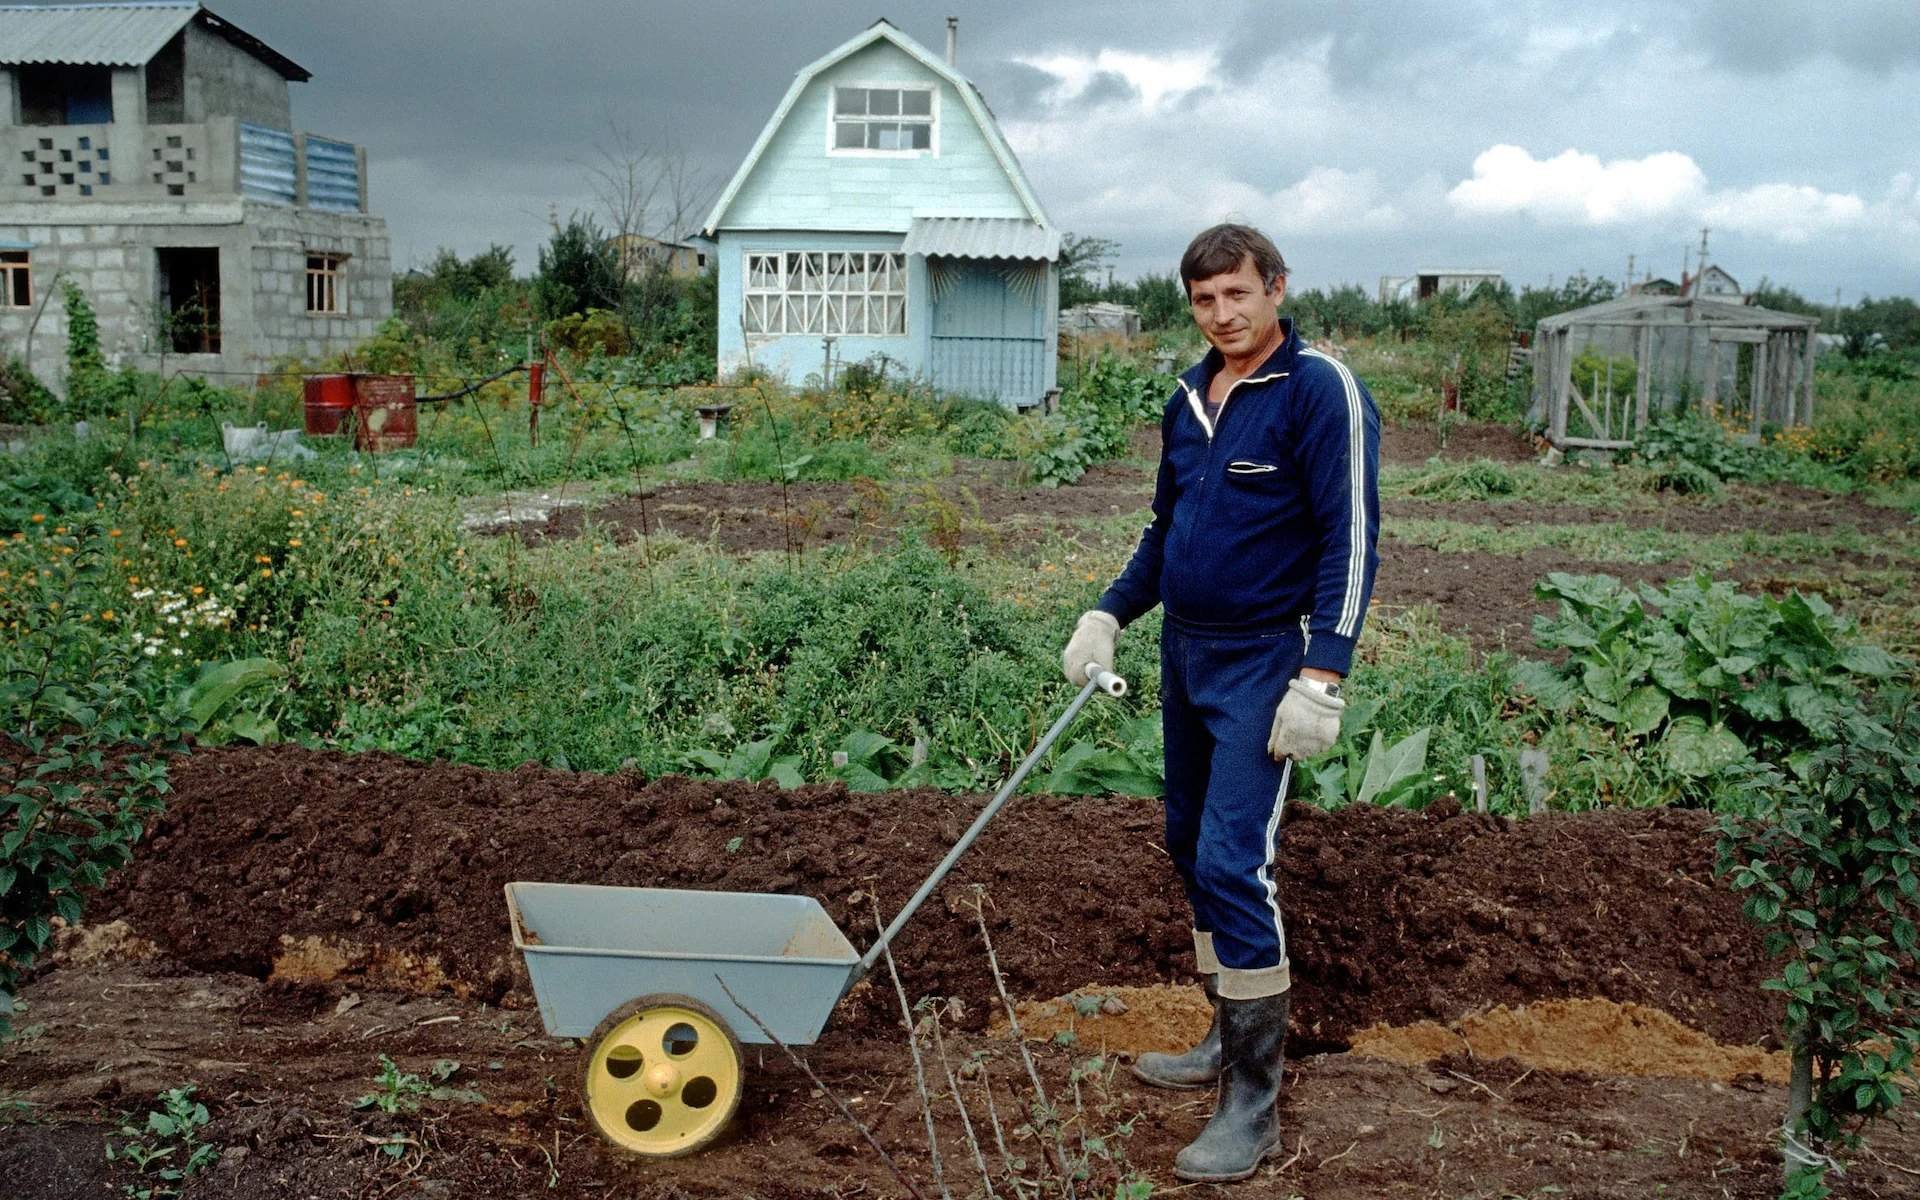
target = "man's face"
x: 1236, y: 312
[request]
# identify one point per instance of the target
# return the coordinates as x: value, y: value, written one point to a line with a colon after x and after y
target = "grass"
x: 1617, y: 542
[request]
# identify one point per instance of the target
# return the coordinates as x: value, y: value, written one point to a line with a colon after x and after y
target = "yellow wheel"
x: 663, y: 1076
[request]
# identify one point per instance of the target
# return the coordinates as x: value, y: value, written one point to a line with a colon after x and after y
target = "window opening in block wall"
x: 16, y: 279
x: 190, y: 298
x: 324, y: 295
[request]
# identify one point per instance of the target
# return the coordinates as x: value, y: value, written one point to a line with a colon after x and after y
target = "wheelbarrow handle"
x: 1099, y: 680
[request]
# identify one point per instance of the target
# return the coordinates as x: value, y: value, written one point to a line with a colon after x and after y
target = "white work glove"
x: 1092, y: 642
x: 1307, y: 722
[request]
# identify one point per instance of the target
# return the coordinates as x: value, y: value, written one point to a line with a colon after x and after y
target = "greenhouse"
x: 1602, y: 372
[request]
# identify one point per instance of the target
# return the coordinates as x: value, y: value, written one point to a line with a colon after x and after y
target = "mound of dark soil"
x: 1392, y: 916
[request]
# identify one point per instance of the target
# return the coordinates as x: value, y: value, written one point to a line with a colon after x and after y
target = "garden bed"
x: 296, y: 914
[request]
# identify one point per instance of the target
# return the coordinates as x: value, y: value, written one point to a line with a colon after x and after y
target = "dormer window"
x: 885, y: 120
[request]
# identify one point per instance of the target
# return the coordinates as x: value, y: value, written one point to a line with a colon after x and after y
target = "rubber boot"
x: 1245, y: 1128
x: 1196, y: 1068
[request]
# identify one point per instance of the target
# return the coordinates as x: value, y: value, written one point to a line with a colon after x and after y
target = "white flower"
x: 151, y: 649
x: 177, y: 652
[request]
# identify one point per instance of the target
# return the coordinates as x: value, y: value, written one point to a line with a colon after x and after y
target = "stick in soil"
x: 999, y: 1135
x: 1019, y: 1039
x: 913, y: 1044
x: 966, y: 1119
x: 892, y: 1167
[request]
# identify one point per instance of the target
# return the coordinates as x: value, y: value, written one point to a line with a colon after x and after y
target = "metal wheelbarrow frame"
x: 637, y: 972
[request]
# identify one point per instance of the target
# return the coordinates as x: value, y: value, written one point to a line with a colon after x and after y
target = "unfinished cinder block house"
x: 148, y: 154
x: 881, y: 212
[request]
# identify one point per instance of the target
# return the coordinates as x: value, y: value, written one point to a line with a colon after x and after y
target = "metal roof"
x: 981, y: 237
x: 123, y: 34
x: 1677, y: 310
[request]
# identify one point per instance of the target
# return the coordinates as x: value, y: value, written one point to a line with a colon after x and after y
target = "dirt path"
x: 281, y: 1067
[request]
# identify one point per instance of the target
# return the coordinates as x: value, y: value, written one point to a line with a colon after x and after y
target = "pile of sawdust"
x: 1593, y: 1037
x: 1596, y: 1037
x: 1128, y: 1020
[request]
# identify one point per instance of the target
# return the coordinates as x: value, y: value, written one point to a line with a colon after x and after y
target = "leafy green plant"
x: 1690, y: 449
x: 166, y: 1149
x: 1480, y: 479
x: 214, y: 703
x: 752, y: 761
x: 1830, y: 871
x: 1055, y: 449
x: 1127, y: 764
x: 1698, y: 673
x: 394, y: 1091
x: 869, y: 762
x: 83, y: 742
x: 1378, y: 774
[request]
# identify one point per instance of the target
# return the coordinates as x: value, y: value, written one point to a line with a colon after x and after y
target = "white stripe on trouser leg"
x: 1265, y: 981
x: 1204, y: 959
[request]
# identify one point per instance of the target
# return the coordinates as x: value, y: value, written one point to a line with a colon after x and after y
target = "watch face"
x: 1333, y: 691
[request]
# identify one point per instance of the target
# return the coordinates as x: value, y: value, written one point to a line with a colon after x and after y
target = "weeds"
x: 166, y: 1149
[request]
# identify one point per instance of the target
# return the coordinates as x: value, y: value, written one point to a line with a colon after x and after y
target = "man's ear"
x: 1278, y: 291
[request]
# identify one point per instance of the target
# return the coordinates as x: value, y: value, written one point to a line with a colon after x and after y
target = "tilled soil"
x: 280, y: 1069
x: 373, y: 867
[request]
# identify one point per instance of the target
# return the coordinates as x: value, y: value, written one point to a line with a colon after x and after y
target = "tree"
x: 1083, y: 261
x: 1890, y: 324
x: 579, y: 270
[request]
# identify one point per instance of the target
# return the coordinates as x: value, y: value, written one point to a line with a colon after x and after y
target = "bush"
x: 83, y: 738
x: 24, y: 400
x: 1832, y: 874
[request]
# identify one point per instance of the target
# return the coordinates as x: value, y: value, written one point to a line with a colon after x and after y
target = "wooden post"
x: 1533, y: 778
x: 1643, y: 382
x: 1712, y: 391
x: 1479, y: 764
x: 1813, y: 336
x: 1759, y: 388
x: 1562, y: 382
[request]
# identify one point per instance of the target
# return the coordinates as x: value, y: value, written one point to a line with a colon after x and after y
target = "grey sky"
x: 1368, y: 138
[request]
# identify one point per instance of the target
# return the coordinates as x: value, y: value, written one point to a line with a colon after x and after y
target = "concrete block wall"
x: 263, y: 257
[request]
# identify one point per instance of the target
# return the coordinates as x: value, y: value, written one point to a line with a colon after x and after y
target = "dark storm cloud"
x: 481, y: 117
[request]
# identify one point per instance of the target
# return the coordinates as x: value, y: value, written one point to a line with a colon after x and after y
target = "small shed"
x: 1100, y: 316
x: 1602, y: 372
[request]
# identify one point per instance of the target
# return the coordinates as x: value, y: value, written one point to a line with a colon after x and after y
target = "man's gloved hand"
x: 1307, y: 722
x: 1092, y: 642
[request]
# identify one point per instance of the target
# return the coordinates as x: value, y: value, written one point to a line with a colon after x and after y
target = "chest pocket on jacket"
x: 1246, y: 466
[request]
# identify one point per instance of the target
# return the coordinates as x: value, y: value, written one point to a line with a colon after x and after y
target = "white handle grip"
x: 1106, y: 680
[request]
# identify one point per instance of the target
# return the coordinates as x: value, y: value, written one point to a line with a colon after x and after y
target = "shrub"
x: 24, y: 400
x: 1832, y: 874
x: 83, y: 739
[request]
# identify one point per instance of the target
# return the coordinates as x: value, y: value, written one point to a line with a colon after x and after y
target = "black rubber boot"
x: 1245, y: 1128
x: 1196, y: 1068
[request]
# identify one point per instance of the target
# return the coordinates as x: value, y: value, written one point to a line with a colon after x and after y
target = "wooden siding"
x: 797, y: 184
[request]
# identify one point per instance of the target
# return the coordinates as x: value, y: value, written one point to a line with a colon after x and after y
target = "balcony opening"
x: 166, y: 83
x: 190, y: 298
x: 65, y: 95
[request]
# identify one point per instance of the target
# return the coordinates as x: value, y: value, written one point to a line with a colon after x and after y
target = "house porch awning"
x: 981, y: 237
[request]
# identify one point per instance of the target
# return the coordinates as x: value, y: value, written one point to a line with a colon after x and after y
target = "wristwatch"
x: 1331, y: 690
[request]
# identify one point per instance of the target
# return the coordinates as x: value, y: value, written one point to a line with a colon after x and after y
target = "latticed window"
x: 16, y: 279
x: 822, y: 292
x: 873, y: 118
x: 323, y: 282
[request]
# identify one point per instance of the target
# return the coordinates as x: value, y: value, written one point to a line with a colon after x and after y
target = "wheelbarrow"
x: 639, y: 973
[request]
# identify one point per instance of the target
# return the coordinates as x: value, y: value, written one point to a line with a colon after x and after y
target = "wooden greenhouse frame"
x: 1745, y: 365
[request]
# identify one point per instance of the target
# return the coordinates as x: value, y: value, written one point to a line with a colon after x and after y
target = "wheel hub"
x: 662, y: 1080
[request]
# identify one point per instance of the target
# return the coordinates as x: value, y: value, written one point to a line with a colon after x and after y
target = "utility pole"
x: 1629, y: 284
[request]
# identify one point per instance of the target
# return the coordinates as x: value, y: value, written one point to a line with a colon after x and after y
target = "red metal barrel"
x: 386, y: 417
x: 329, y: 402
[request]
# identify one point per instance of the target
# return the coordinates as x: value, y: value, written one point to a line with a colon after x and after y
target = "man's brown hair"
x: 1221, y: 249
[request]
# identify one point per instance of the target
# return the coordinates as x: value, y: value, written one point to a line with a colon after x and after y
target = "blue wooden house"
x: 881, y: 212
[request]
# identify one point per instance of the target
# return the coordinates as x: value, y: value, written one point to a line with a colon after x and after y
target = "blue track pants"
x: 1218, y: 695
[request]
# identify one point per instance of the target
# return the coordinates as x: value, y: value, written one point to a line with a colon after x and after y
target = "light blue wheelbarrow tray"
x: 590, y: 949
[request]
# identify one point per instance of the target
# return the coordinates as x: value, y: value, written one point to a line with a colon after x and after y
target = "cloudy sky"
x: 1369, y: 138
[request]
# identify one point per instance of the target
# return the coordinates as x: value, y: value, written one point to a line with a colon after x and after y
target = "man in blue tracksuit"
x: 1265, y: 518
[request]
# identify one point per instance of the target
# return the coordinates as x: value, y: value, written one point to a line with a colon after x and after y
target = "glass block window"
x: 820, y: 292
x: 899, y: 120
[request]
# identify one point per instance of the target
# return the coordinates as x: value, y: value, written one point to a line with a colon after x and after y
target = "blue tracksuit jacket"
x: 1262, y: 550
x: 1270, y: 517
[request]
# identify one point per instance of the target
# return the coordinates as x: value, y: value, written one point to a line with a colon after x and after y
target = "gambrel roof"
x: 883, y: 30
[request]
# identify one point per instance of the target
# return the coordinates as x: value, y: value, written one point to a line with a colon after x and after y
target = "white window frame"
x: 821, y: 293
x: 10, y: 267
x: 833, y: 117
x: 329, y: 277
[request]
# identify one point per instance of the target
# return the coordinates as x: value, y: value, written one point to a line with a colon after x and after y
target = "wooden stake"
x: 1479, y: 764
x: 1533, y: 777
